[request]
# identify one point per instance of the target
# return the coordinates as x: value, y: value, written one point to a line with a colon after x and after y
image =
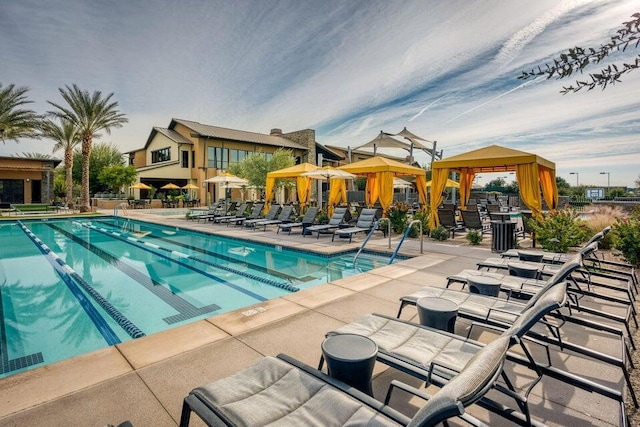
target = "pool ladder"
x: 395, y: 253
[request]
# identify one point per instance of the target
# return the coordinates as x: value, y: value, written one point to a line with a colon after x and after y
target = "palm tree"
x: 16, y: 121
x: 66, y: 138
x: 89, y: 113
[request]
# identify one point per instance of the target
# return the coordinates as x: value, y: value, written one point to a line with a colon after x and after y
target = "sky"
x: 447, y: 70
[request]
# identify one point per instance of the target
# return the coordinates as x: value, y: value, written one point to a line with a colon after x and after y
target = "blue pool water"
x: 71, y: 286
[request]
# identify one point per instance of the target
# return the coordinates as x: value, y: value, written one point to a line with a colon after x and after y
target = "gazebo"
x: 533, y: 173
x: 303, y: 183
x: 380, y: 172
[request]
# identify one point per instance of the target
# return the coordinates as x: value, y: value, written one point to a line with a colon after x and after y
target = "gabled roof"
x: 171, y: 134
x: 487, y: 159
x: 236, y: 135
x: 328, y: 153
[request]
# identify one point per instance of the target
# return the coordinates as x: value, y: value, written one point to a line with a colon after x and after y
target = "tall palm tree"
x: 66, y: 137
x: 90, y: 113
x: 15, y: 120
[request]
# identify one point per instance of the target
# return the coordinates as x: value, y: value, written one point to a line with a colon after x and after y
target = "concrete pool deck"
x: 145, y: 380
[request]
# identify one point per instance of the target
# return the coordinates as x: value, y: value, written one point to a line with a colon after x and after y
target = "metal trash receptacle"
x: 503, y: 235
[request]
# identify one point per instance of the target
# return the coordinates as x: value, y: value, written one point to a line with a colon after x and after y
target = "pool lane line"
x: 145, y: 245
x: 64, y: 271
x: 185, y: 309
x: 259, y: 268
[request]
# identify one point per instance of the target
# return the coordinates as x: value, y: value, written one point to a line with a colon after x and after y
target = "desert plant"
x: 398, y: 215
x: 559, y: 230
x: 440, y: 233
x: 599, y: 217
x: 474, y: 237
x: 322, y: 217
x: 626, y: 237
x: 422, y: 216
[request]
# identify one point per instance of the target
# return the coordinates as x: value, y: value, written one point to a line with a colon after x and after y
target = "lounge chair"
x: 254, y: 214
x: 472, y: 221
x: 334, y: 222
x: 285, y: 391
x: 447, y: 218
x: 239, y: 213
x: 214, y: 210
x: 434, y: 356
x: 366, y: 220
x: 271, y: 215
x: 284, y: 215
x: 307, y: 220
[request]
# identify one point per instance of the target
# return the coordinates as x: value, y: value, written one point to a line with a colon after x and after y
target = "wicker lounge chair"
x: 334, y: 222
x: 472, y: 221
x: 365, y: 222
x: 307, y: 220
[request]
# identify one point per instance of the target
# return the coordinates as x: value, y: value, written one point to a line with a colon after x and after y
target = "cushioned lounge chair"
x: 239, y: 212
x: 254, y: 214
x: 334, y: 222
x: 365, y: 222
x: 307, y: 220
x: 214, y: 210
x: 434, y: 356
x: 271, y: 214
x: 285, y: 391
x: 283, y: 216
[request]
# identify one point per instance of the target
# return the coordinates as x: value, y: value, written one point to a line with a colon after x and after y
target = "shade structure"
x: 450, y: 184
x: 140, y: 186
x: 380, y: 172
x: 303, y: 183
x: 533, y: 173
x: 225, y: 178
x: 401, y: 183
x: 190, y: 187
x: 337, y: 187
x: 170, y: 186
x: 384, y: 140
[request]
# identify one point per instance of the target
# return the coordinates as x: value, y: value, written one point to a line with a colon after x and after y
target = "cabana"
x: 303, y: 183
x: 532, y: 173
x: 380, y: 172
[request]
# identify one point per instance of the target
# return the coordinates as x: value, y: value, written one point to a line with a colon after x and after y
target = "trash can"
x: 503, y: 235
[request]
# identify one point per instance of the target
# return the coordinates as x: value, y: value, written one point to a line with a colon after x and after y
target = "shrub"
x: 626, y: 237
x: 599, y: 217
x: 423, y: 217
x: 397, y: 214
x: 440, y: 233
x: 322, y: 217
x: 559, y: 230
x: 474, y: 237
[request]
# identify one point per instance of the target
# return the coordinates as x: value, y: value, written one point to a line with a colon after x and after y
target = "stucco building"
x: 26, y: 180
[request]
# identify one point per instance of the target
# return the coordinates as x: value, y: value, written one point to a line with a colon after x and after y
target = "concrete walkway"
x: 145, y: 380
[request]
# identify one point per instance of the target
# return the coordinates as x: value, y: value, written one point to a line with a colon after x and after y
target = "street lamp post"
x: 608, y: 179
x: 577, y: 178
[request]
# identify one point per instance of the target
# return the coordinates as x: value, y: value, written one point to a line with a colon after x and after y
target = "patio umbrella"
x: 140, y: 186
x: 401, y: 183
x: 450, y: 183
x: 190, y: 187
x: 227, y: 178
x: 337, y: 190
x: 170, y: 186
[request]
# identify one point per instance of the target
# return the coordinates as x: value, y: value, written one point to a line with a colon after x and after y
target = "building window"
x: 236, y: 156
x: 268, y: 156
x: 132, y: 159
x: 162, y: 155
x: 185, y: 159
x: 218, y: 157
x: 193, y: 159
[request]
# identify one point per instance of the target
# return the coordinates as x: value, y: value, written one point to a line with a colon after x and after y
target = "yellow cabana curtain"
x: 385, y: 182
x: 438, y: 182
x: 372, y: 189
x: 337, y: 193
x: 466, y: 181
x: 303, y: 186
x: 528, y: 182
x: 269, y: 192
x: 549, y: 187
x: 421, y: 187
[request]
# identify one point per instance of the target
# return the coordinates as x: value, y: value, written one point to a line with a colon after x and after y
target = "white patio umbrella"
x: 401, y: 183
x: 328, y: 172
x: 226, y: 180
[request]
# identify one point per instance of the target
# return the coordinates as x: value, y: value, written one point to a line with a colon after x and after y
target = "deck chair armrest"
x: 499, y: 310
x: 496, y: 328
x: 437, y: 364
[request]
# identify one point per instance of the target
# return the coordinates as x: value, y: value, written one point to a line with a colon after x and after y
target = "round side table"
x: 350, y: 359
x: 438, y: 313
x: 484, y: 285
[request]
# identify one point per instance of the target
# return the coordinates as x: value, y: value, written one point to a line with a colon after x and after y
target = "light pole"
x: 577, y: 178
x: 608, y: 179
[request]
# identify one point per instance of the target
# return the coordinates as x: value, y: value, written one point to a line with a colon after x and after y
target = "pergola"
x: 380, y: 172
x: 533, y: 173
x: 303, y: 183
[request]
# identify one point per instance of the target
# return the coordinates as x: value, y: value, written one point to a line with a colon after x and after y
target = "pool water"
x: 71, y: 286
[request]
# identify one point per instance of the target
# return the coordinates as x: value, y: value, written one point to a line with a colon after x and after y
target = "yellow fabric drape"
x: 421, y: 186
x: 303, y: 186
x: 269, y: 192
x: 466, y: 181
x: 385, y: 183
x: 549, y: 187
x: 337, y: 193
x: 527, y: 176
x: 438, y: 183
x: 372, y: 189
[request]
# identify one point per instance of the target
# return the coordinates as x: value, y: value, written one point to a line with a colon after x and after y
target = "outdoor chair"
x: 239, y: 213
x: 334, y: 222
x: 434, y: 356
x: 214, y: 210
x: 285, y: 391
x: 307, y: 220
x: 472, y: 221
x: 271, y: 215
x: 284, y: 215
x: 448, y: 220
x: 365, y: 222
x: 254, y: 214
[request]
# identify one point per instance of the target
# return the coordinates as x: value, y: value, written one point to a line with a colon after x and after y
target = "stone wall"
x: 306, y: 137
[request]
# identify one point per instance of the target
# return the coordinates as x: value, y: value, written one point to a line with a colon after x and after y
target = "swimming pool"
x: 71, y: 286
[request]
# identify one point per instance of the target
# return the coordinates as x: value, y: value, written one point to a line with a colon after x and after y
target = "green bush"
x: 626, y: 237
x: 397, y: 214
x: 559, y: 230
x: 422, y: 216
x: 474, y: 237
x: 440, y: 233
